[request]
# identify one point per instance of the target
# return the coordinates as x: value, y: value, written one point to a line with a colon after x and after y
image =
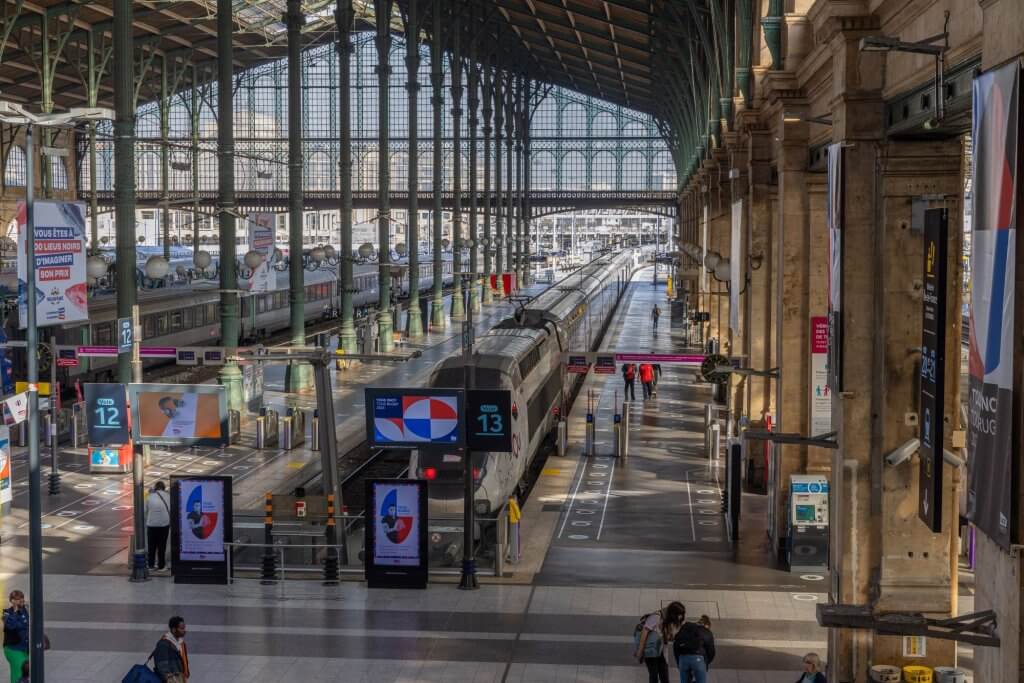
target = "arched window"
x: 603, y: 173
x: 663, y: 170
x: 574, y: 171
x: 15, y: 169
x: 574, y: 120
x: 147, y: 171
x: 542, y: 171
x: 634, y: 171
x: 605, y: 126
x: 58, y: 173
x: 399, y: 171
x: 318, y: 171
x: 635, y: 129
x: 365, y: 176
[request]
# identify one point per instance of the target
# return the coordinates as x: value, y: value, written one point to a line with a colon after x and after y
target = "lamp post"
x: 14, y: 113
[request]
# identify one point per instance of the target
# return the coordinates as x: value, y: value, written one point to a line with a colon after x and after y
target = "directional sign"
x: 66, y: 358
x: 125, y: 335
x: 489, y: 420
x: 604, y: 365
x: 578, y: 364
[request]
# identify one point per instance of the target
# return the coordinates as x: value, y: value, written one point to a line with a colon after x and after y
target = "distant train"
x: 190, y: 316
x: 524, y: 355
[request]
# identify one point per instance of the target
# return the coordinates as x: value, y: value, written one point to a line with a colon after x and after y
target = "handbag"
x: 141, y: 673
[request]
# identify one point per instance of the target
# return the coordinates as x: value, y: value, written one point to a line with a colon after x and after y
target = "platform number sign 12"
x: 489, y: 420
x: 106, y: 414
x: 125, y: 335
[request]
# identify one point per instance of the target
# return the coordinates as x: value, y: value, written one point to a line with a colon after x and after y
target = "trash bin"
x: 949, y: 674
x: 883, y: 673
x: 917, y: 674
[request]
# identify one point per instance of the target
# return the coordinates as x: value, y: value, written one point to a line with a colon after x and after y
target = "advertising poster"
x: 992, y: 474
x: 736, y: 271
x: 104, y: 457
x: 396, y: 535
x: 201, y: 523
x: 397, y: 519
x: 411, y: 418
x: 201, y: 518
x: 6, y: 490
x: 106, y: 414
x: 59, y: 260
x: 834, y: 216
x: 262, y: 237
x: 252, y: 386
x: 178, y: 414
x: 16, y: 409
x: 821, y: 394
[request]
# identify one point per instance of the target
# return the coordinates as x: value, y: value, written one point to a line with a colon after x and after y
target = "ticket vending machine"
x: 807, y: 523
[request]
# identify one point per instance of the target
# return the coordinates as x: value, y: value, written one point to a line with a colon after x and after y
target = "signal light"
x: 430, y: 473
x: 476, y: 473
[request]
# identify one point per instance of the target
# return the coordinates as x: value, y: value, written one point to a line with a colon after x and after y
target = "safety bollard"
x: 590, y: 446
x: 617, y: 435
x: 314, y: 431
x: 716, y: 436
x: 563, y: 438
x: 287, y: 432
x: 261, y: 430
x: 624, y: 434
x: 514, y: 540
x: 268, y: 567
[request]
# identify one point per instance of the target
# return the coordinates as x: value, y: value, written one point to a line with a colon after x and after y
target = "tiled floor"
x: 571, y: 619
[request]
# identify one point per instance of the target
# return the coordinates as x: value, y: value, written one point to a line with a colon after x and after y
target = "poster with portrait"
x: 179, y: 414
x: 6, y: 488
x: 262, y: 238
x: 396, y: 537
x: 201, y: 520
x: 59, y: 240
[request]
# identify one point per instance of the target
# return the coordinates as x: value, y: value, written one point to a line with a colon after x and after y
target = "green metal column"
x: 521, y: 236
x: 230, y: 375
x: 517, y: 263
x: 344, y: 18
x: 772, y: 24
x: 165, y: 160
x: 194, y: 125
x: 473, y: 100
x: 437, y: 318
x: 510, y: 145
x: 458, y: 310
x: 297, y: 375
x: 487, y: 244
x: 744, y: 21
x: 499, y: 231
x: 412, y: 64
x: 384, y: 324
x: 530, y: 86
x: 124, y: 170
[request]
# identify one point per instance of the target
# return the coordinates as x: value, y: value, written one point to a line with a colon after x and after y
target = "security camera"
x: 903, y: 453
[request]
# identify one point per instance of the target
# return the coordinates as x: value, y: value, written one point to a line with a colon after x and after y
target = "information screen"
x: 106, y: 414
x: 805, y: 513
x: 201, y: 520
x: 179, y: 414
x: 412, y: 418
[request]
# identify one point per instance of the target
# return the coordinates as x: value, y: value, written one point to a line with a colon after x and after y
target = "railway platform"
x: 604, y: 542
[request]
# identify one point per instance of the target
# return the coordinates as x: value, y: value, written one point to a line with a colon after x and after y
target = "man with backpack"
x: 629, y: 378
x: 647, y: 378
x: 689, y: 651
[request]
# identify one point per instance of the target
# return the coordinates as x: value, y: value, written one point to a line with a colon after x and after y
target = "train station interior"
x: 466, y: 340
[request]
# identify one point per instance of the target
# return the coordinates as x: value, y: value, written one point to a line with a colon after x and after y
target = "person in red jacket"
x: 647, y: 378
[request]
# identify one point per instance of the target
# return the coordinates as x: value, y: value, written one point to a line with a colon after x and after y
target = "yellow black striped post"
x: 331, y: 569
x: 269, y: 567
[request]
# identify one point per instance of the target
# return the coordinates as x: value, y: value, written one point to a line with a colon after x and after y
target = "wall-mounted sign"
x: 933, y: 368
x: 414, y: 418
x: 489, y: 420
x: 395, y: 548
x: 604, y: 365
x: 577, y: 364
x: 820, y: 392
x: 59, y: 240
x: 106, y: 414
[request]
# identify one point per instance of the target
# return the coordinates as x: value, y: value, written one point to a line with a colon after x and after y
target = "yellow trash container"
x: 917, y: 674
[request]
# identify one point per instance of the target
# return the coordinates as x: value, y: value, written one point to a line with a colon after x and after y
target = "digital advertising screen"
x: 179, y: 414
x: 6, y: 492
x: 413, y: 418
x: 106, y: 414
x: 201, y: 523
x: 396, y: 533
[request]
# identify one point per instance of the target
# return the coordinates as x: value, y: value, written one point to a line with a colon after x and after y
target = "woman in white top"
x: 158, y: 525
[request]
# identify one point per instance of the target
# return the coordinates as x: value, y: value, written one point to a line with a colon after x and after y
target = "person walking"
x: 812, y: 669
x: 647, y: 378
x: 655, y: 314
x: 629, y: 380
x: 651, y: 634
x: 688, y: 649
x: 170, y: 658
x: 16, y: 636
x: 158, y: 525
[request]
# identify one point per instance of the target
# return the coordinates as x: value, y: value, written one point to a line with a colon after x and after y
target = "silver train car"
x: 190, y: 316
x: 524, y: 355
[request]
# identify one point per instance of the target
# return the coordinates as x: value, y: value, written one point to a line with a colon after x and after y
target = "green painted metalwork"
x: 344, y: 18
x: 437, y: 316
x: 488, y: 111
x: 124, y: 160
x: 499, y: 231
x: 414, y: 327
x: 384, y: 323
x: 745, y: 27
x: 298, y: 375
x: 772, y: 24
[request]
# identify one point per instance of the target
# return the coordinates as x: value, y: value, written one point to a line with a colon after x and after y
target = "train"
x: 190, y: 315
x: 523, y: 354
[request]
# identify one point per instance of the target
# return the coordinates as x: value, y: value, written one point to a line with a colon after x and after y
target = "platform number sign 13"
x: 489, y: 420
x: 106, y: 414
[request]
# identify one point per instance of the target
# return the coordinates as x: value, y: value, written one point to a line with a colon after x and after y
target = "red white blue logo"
x: 426, y: 419
x: 396, y: 521
x: 202, y: 517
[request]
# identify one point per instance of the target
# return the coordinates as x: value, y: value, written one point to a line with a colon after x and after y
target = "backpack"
x: 630, y: 372
x: 652, y: 648
x: 688, y: 641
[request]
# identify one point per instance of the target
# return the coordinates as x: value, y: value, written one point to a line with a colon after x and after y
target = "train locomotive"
x: 523, y: 354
